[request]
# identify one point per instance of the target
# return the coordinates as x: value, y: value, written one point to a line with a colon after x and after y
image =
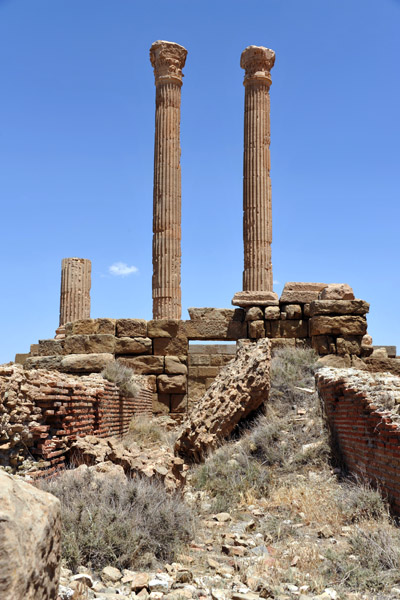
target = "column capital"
x: 168, y: 60
x: 257, y: 62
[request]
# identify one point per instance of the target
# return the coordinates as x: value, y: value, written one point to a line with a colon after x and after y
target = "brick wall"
x: 53, y: 409
x: 361, y: 410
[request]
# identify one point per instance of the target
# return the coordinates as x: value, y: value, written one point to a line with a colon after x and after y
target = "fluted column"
x: 75, y: 289
x: 168, y: 60
x: 257, y: 62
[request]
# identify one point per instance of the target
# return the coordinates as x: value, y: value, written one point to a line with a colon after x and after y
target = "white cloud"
x: 121, y: 269
x: 276, y: 282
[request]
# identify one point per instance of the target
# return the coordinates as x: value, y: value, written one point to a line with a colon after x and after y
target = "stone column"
x: 168, y: 60
x: 257, y: 62
x: 75, y: 289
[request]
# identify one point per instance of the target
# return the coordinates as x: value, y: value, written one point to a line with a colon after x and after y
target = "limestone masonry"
x: 168, y: 60
x: 75, y: 289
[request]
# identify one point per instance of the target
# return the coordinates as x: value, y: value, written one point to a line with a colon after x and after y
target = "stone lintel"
x: 250, y: 298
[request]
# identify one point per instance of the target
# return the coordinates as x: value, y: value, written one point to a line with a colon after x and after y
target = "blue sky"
x: 76, y: 151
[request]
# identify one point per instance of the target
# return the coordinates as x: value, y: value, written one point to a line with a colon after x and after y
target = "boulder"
x: 30, y: 548
x: 238, y: 390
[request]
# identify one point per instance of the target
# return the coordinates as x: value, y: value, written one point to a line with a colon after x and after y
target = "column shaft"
x: 168, y: 60
x: 75, y: 289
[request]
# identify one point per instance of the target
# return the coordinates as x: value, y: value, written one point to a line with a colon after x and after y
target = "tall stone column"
x: 75, y: 289
x: 168, y: 60
x: 257, y: 62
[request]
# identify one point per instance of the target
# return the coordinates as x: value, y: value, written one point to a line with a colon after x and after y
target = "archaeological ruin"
x: 64, y: 396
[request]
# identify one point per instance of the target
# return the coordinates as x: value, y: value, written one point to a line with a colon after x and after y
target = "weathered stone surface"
x: 21, y: 358
x: 75, y: 289
x: 344, y: 325
x: 128, y: 345
x: 337, y: 362
x: 255, y: 298
x: 239, y: 389
x: 179, y: 403
x: 323, y: 344
x: 256, y: 329
x: 163, y: 328
x: 170, y: 346
x: 337, y: 291
x: 349, y: 345
x: 85, y: 363
x: 390, y: 350
x: 374, y: 365
x: 218, y: 314
x: 273, y: 329
x: 51, y: 347
x: 272, y: 313
x: 338, y: 307
x: 278, y: 343
x: 173, y: 366
x: 145, y: 365
x: 301, y: 291
x: 90, y: 327
x: 171, y: 384
x: 161, y: 404
x: 82, y: 344
x: 215, y: 329
x: 50, y: 363
x: 158, y: 462
x: 131, y: 328
x: 168, y: 60
x: 294, y: 328
x: 293, y: 311
x: 30, y: 548
x: 254, y: 313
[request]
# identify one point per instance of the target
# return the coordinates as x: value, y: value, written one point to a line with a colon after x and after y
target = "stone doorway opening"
x: 205, y: 360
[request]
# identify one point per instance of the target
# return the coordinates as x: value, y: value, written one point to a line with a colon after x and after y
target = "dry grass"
x: 123, y: 377
x: 145, y: 431
x: 108, y: 522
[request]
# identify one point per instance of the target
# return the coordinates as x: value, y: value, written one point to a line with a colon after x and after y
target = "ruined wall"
x: 204, y: 364
x: 42, y: 412
x: 326, y: 317
x: 363, y: 414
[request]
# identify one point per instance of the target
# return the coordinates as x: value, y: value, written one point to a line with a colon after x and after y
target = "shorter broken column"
x: 75, y: 289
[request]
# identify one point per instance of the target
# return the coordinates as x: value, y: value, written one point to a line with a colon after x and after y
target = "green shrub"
x: 126, y: 525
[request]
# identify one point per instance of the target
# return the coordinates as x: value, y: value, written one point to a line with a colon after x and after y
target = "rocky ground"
x: 273, y: 517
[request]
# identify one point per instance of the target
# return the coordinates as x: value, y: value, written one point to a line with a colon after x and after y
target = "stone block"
x: 30, y: 541
x: 85, y: 363
x: 89, y: 344
x: 255, y: 313
x: 215, y: 329
x: 208, y: 371
x: 128, y: 345
x: 50, y: 363
x: 170, y: 346
x: 341, y: 326
x: 144, y: 365
x: 216, y: 314
x: 272, y: 313
x: 390, y: 350
x: 199, y: 359
x: 81, y: 327
x: 256, y: 329
x: 338, y: 307
x: 179, y: 403
x: 171, y: 384
x: 349, y: 345
x: 173, y: 366
x: 337, y: 362
x: 296, y: 328
x: 273, y: 329
x: 34, y: 350
x: 323, y: 344
x: 151, y: 382
x: 21, y: 358
x: 293, y: 311
x: 337, y: 291
x: 306, y: 309
x: 217, y: 360
x: 163, y: 328
x: 250, y: 298
x: 106, y: 326
x: 131, y: 328
x: 161, y: 404
x: 295, y: 292
x: 51, y: 347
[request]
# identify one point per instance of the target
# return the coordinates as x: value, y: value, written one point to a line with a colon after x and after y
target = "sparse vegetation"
x: 127, y: 525
x: 144, y: 430
x: 123, y: 377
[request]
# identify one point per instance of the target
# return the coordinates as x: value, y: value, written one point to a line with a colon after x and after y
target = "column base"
x: 251, y: 298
